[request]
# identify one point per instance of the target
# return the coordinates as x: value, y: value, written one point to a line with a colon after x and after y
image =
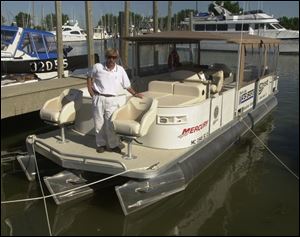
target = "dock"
x: 30, y: 97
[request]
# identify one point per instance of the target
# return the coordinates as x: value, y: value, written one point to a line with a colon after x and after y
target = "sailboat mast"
x: 32, y: 25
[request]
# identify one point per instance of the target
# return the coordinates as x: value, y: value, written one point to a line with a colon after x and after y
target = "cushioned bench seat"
x: 156, y: 95
x: 173, y: 93
x: 177, y: 100
x: 162, y: 86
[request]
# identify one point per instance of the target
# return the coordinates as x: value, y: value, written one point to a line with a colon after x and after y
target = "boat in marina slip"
x: 71, y: 32
x: 186, y: 119
x: 100, y: 33
x: 255, y: 22
x: 31, y: 55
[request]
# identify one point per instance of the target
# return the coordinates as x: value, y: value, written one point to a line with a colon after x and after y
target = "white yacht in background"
x: 72, y: 32
x: 146, y: 27
x: 254, y: 22
x: 100, y: 33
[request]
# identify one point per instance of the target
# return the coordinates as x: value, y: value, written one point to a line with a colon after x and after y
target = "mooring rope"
x: 67, y: 191
x: 284, y: 165
x: 74, y: 189
x: 42, y: 190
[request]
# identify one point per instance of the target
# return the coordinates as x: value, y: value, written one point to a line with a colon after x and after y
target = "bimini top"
x: 15, y: 28
x: 194, y: 37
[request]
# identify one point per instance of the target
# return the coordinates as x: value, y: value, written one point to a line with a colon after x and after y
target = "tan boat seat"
x: 134, y: 119
x: 217, y: 82
x: 153, y: 94
x: 188, y: 89
x: 185, y: 75
x: 184, y: 94
x: 62, y: 109
x: 162, y: 86
x: 176, y: 100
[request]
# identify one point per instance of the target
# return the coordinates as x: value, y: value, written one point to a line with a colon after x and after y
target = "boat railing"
x: 85, y: 159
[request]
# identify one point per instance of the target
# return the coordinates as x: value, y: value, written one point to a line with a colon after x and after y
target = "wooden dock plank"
x: 29, y: 97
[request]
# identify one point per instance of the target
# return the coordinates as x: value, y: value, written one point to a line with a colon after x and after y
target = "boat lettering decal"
x: 46, y: 66
x: 246, y: 96
x: 187, y: 131
x: 199, y: 139
x: 262, y: 86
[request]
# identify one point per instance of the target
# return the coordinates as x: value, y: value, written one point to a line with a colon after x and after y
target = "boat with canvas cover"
x: 187, y: 118
x: 32, y: 54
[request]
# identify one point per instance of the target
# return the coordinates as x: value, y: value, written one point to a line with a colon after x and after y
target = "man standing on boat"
x: 173, y: 59
x: 105, y: 83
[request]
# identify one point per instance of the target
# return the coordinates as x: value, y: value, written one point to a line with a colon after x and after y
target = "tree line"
x: 111, y: 22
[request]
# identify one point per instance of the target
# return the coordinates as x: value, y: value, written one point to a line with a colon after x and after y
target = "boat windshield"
x: 7, y: 36
x: 278, y: 26
x: 26, y: 44
x: 39, y: 43
x: 67, y: 29
x: 51, y: 44
x: 34, y: 44
x: 270, y: 27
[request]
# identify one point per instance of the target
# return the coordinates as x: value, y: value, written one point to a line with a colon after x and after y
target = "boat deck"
x: 28, y: 97
x: 79, y: 153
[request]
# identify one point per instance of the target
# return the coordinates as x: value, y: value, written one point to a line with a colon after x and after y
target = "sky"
x: 76, y: 9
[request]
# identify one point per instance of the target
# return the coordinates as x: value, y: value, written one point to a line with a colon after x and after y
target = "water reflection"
x: 209, y: 193
x: 185, y: 213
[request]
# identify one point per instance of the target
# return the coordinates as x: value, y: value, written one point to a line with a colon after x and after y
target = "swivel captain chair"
x: 61, y: 110
x: 134, y: 119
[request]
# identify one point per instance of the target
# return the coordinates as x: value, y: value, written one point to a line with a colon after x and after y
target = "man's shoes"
x: 100, y: 149
x: 116, y: 149
x: 121, y: 146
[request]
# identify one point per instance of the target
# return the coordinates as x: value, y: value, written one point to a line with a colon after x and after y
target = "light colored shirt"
x: 109, y: 82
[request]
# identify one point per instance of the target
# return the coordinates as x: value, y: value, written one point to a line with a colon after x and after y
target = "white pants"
x: 103, y: 108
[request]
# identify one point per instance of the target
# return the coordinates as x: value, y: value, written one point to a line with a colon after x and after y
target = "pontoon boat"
x: 185, y: 121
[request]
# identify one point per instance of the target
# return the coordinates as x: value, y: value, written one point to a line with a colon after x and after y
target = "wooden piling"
x: 90, y: 33
x: 169, y: 15
x: 59, y: 43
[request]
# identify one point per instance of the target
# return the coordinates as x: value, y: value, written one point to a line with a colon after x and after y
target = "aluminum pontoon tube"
x: 136, y: 195
x: 192, y: 166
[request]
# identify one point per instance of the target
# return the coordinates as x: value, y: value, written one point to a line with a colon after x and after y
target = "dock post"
x: 190, y: 21
x: 124, y: 33
x: 59, y: 43
x: 155, y: 29
x: 155, y: 17
x: 89, y: 26
x: 169, y: 15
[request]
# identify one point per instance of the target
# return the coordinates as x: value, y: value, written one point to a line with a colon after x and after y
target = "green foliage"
x: 181, y: 15
x: 184, y: 13
x: 111, y: 22
x: 23, y: 19
x: 291, y: 23
x: 50, y: 20
x: 3, y: 20
x: 233, y: 7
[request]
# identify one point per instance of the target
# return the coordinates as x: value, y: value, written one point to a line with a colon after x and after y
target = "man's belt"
x: 105, y: 95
